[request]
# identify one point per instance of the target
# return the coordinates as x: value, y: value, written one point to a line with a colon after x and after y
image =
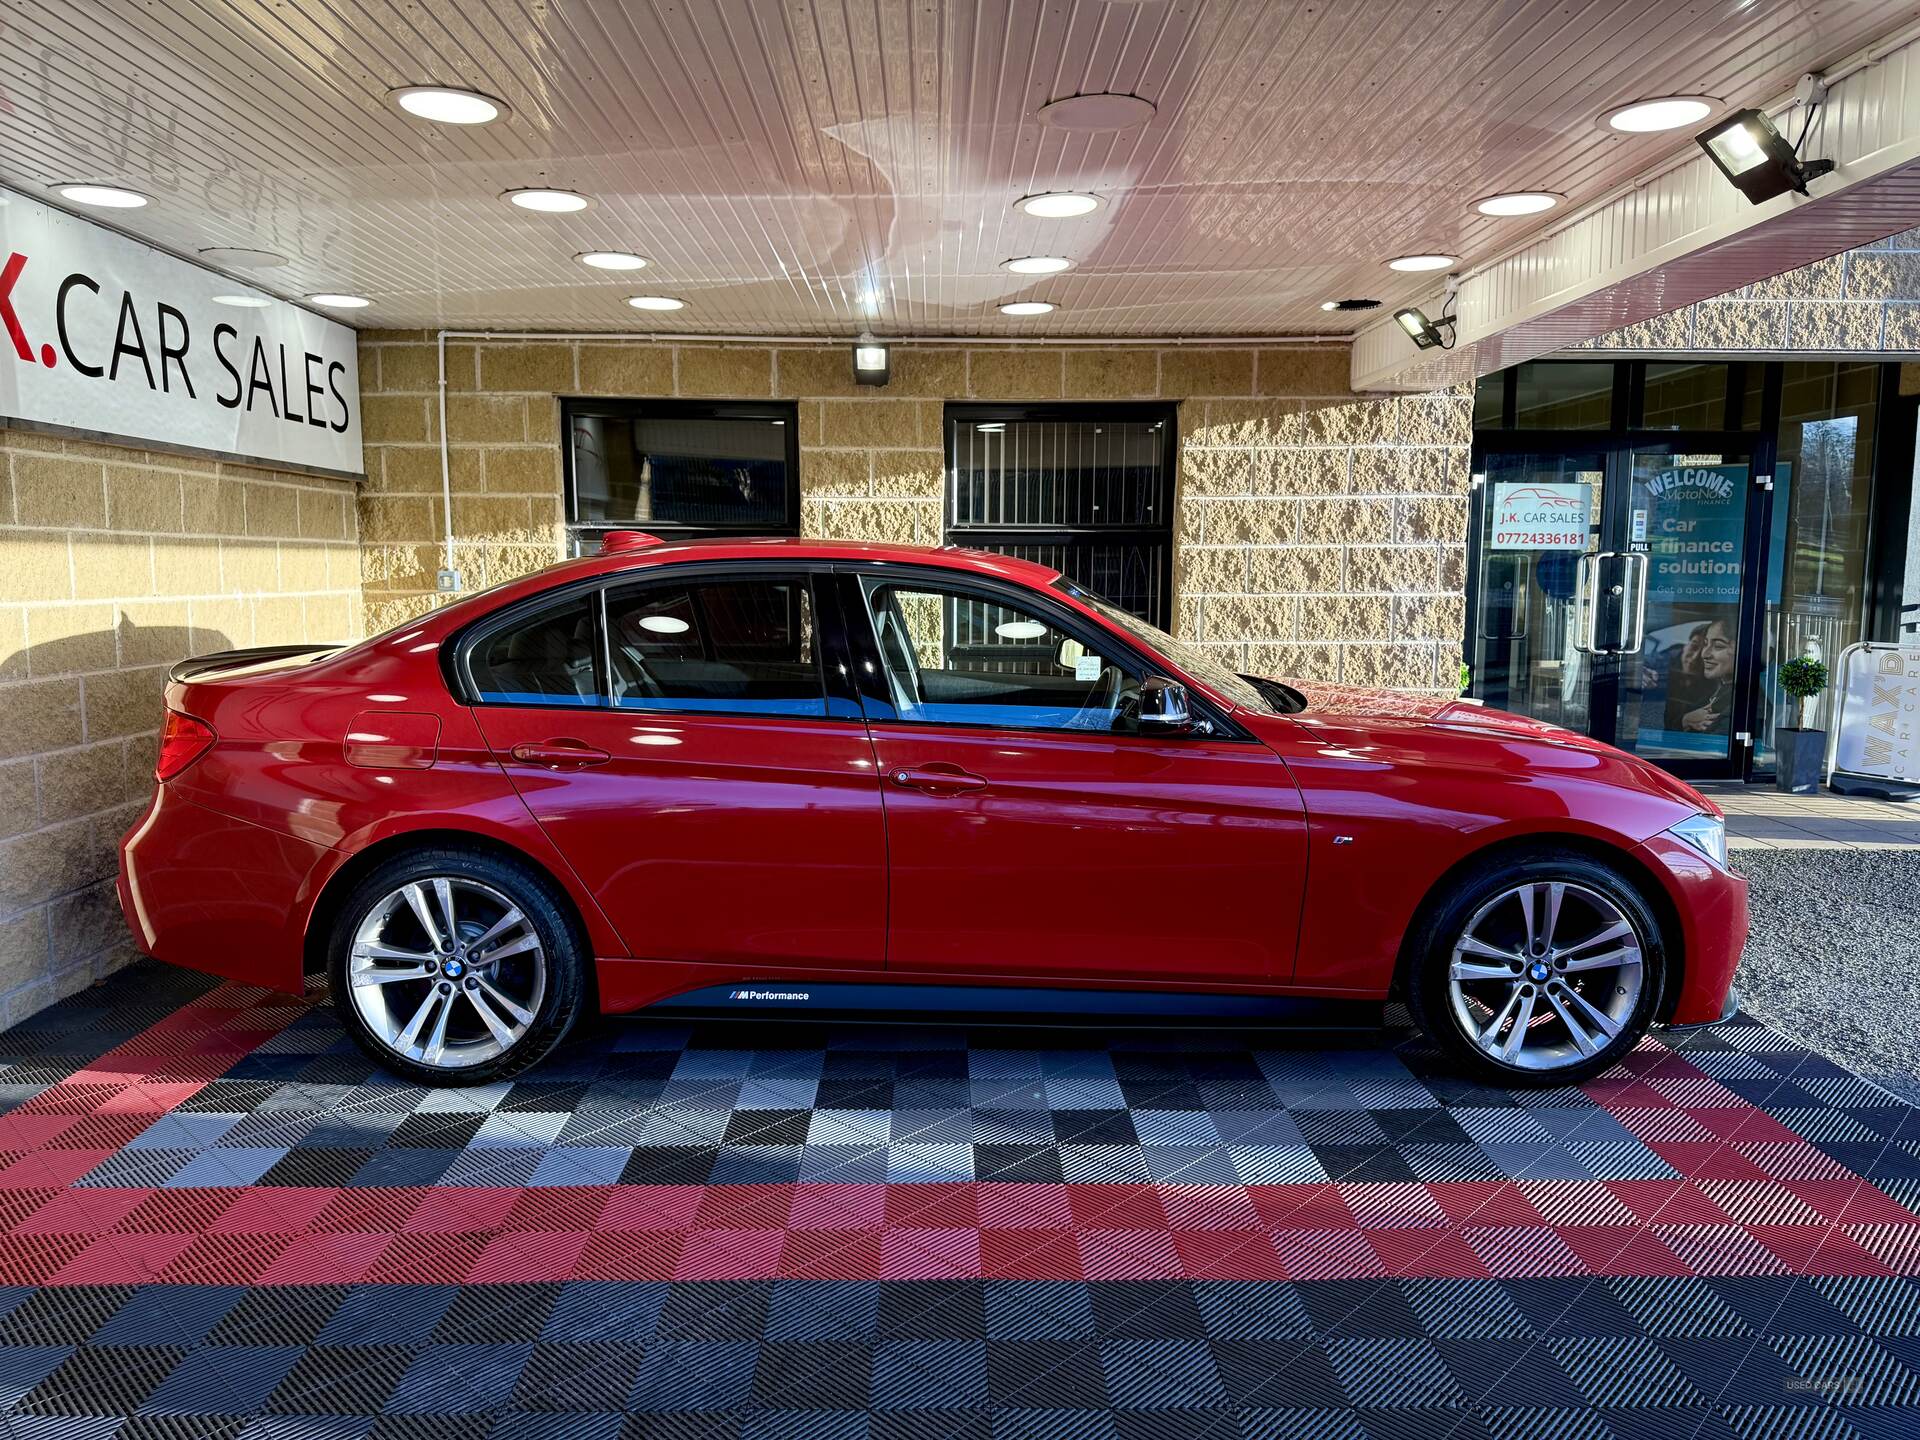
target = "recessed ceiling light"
x: 1026, y: 307
x: 446, y: 106
x: 242, y: 258
x: 243, y: 302
x: 654, y: 302
x: 548, y: 202
x: 1422, y: 262
x: 1105, y: 111
x: 1037, y: 264
x: 107, y: 197
x: 341, y: 302
x: 1518, y: 202
x: 1060, y: 204
x: 613, y: 260
x: 1668, y: 112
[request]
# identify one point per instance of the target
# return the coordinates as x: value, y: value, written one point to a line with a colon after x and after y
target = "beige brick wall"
x: 1318, y: 534
x: 114, y: 564
x: 1861, y: 301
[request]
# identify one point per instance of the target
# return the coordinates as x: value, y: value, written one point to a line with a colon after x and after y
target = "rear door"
x: 690, y: 750
x: 1032, y: 831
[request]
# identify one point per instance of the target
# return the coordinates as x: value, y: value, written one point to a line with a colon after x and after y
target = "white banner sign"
x: 1537, y: 516
x: 1879, y: 733
x: 111, y: 337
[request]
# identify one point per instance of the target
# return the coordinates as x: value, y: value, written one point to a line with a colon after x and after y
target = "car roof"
x: 649, y: 554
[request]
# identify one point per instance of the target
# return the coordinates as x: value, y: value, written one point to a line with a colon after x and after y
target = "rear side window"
x: 745, y: 647
x: 543, y: 659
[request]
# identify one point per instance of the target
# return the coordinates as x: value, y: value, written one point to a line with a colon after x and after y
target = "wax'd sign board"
x: 1879, y: 732
x: 110, y: 337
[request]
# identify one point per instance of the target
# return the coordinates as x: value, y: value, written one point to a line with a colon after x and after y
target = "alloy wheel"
x: 447, y: 972
x: 1546, y: 975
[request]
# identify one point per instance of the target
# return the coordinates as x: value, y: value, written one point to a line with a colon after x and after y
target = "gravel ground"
x: 1834, y: 960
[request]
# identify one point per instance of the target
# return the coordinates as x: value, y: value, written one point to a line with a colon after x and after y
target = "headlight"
x: 1706, y: 834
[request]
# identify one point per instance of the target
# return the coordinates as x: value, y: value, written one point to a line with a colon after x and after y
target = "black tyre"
x: 455, y: 967
x: 1538, y: 970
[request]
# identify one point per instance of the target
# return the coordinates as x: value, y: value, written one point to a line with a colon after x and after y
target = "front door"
x: 685, y: 752
x: 1611, y: 595
x: 1033, y: 832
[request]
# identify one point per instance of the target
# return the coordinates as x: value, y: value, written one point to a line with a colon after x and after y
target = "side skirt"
x: 1003, y: 1003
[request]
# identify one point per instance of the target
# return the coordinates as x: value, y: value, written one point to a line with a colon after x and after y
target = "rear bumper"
x: 208, y: 892
x: 1712, y: 906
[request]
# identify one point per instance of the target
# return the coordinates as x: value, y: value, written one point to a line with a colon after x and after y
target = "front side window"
x: 955, y: 658
x: 543, y: 659
x: 1248, y: 691
x: 745, y: 646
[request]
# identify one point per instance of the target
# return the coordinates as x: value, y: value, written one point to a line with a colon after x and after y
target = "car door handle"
x: 560, y: 755
x: 939, y: 780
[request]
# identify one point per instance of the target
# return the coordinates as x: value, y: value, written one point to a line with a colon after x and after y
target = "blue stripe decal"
x: 699, y: 705
x: 1022, y: 717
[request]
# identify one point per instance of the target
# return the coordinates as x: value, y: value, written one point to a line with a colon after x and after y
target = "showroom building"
x: 1302, y: 529
x: 1254, y: 466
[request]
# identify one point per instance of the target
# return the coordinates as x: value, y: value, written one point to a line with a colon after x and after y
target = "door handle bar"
x: 1633, y: 617
x: 1586, y: 585
x: 938, y: 782
x: 560, y: 755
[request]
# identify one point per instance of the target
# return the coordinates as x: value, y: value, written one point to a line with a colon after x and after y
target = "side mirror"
x: 1163, y: 707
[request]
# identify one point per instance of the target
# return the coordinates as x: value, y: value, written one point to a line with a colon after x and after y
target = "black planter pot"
x: 1800, y: 755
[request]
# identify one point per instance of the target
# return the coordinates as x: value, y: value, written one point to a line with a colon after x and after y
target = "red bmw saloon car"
x: 773, y: 775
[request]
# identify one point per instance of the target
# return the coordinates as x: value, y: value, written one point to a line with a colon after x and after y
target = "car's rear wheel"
x: 1538, y: 970
x: 452, y: 967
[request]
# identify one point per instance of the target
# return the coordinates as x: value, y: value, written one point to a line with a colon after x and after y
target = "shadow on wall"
x: 80, y: 745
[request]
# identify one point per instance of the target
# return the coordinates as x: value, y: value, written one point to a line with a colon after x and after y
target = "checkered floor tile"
x: 217, y: 1219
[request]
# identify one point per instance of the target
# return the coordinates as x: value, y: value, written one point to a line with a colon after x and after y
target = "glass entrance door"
x: 1610, y: 595
x: 1538, y: 525
x: 1685, y: 646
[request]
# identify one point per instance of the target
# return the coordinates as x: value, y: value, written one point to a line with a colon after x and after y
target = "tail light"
x: 182, y: 741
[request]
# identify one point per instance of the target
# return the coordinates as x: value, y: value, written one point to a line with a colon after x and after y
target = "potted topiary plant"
x: 1800, y: 751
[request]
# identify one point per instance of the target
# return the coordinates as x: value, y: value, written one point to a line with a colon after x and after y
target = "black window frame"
x: 869, y: 665
x: 835, y: 661
x: 787, y: 412
x: 1001, y: 537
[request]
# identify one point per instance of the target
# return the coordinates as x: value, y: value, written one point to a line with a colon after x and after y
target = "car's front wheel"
x: 453, y: 967
x: 1538, y: 970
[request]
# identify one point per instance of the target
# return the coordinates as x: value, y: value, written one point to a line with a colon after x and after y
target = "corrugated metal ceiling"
x: 776, y: 160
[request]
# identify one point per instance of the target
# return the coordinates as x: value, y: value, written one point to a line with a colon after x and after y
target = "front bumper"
x: 1711, y: 904
x: 1727, y: 1011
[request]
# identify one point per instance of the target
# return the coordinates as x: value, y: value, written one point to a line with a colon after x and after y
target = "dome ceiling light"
x: 548, y: 202
x: 1037, y: 264
x: 445, y: 105
x: 613, y: 260
x: 104, y: 197
x: 1518, y: 202
x: 1667, y: 112
x: 1059, y: 204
